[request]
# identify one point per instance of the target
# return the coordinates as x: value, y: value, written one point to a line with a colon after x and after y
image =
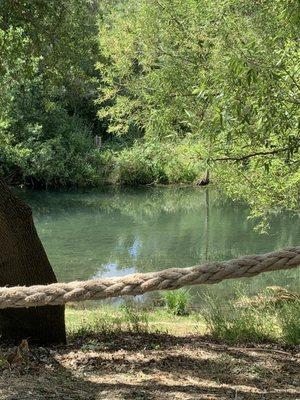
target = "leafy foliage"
x: 177, y: 301
x: 180, y: 88
x: 47, y: 73
x: 153, y: 162
x: 222, y: 74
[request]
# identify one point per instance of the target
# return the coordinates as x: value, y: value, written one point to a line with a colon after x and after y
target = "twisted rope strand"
x: 174, y: 278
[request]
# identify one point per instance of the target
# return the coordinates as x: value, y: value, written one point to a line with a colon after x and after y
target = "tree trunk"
x: 23, y: 261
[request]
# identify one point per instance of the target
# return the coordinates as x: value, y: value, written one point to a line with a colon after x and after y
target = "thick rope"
x: 174, y: 278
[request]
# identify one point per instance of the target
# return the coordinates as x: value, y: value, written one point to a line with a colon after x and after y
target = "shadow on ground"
x: 138, y: 366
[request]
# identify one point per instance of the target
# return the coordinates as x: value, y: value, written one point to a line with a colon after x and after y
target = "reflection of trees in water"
x: 84, y: 231
x: 128, y: 201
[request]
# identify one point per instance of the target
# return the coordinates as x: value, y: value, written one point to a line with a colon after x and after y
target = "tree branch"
x: 245, y: 157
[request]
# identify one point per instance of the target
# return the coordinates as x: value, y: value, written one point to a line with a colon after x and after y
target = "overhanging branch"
x: 245, y: 157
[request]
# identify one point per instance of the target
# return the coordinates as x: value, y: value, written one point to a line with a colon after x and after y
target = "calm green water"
x: 110, y: 232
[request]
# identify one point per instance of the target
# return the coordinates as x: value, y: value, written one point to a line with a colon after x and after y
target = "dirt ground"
x: 144, y: 366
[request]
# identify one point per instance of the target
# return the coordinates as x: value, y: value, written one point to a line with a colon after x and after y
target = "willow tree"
x: 223, y: 76
x: 23, y: 261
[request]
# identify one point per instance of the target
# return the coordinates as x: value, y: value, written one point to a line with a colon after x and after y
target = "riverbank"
x: 138, y: 164
x: 248, y: 350
x: 270, y: 317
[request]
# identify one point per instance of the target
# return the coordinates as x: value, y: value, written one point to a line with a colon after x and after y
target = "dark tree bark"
x: 23, y: 261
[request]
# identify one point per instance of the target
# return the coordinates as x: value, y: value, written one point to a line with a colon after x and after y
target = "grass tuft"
x: 177, y: 301
x: 247, y: 320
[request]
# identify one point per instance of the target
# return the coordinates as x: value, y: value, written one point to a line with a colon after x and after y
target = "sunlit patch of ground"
x: 151, y: 366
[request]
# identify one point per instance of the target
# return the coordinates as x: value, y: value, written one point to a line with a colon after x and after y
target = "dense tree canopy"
x: 222, y: 75
x: 181, y: 88
x: 48, y: 81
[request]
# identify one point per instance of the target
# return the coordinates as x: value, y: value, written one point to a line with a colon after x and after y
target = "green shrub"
x: 138, y: 165
x: 159, y: 162
x: 177, y: 301
x: 58, y: 151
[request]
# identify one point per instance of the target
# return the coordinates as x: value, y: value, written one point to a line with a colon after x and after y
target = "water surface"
x: 112, y: 232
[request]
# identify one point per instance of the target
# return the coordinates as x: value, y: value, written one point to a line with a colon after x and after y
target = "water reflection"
x: 109, y: 232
